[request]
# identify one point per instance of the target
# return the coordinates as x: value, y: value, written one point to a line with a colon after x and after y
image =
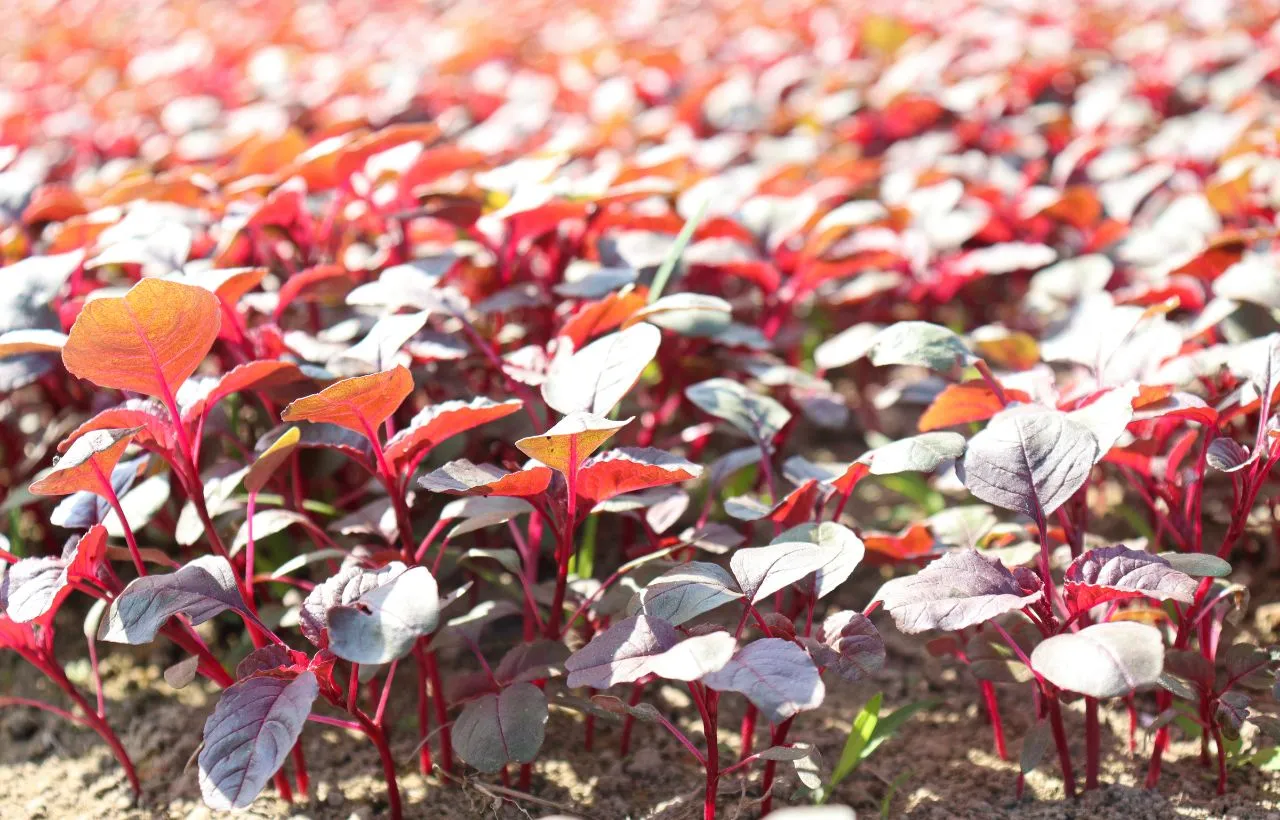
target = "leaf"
x: 200, y: 590
x: 965, y: 403
x: 1102, y: 661
x: 594, y: 379
x: 760, y: 417
x: 33, y: 587
x: 1034, y: 746
x: 254, y: 726
x: 270, y: 460
x: 846, y: 552
x: 1119, y: 573
x: 377, y: 350
x: 267, y: 523
x: 629, y: 469
x: 149, y: 341
x: 302, y: 560
x: 695, y: 315
x: 1029, y: 460
x: 358, y: 404
x: 82, y: 510
x: 148, y: 416
x: 919, y: 454
x: 918, y: 344
x: 762, y: 571
x: 461, y: 477
x: 1197, y: 564
x: 372, y: 617
x: 775, y: 675
x: 439, y: 422
x: 1229, y: 456
x: 197, y: 396
x: 478, y: 513
x: 641, y: 645
x: 685, y: 592
x: 502, y: 728
x: 849, y: 644
x: 1107, y: 416
x: 860, y: 733
x: 958, y: 590
x: 846, y: 347
x: 571, y: 441
x: 86, y: 464
x: 32, y: 340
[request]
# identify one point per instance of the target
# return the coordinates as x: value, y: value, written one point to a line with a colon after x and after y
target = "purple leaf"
x: 255, y: 724
x: 1029, y: 460
x: 343, y: 589
x: 83, y: 509
x: 918, y: 344
x: 776, y: 675
x: 1103, y: 660
x: 763, y: 571
x: 760, y: 417
x: 30, y: 587
x: 1228, y: 455
x: 596, y: 378
x: 915, y: 454
x: 508, y: 727
x: 687, y: 591
x: 849, y: 644
x: 621, y: 653
x: 1117, y: 573
x: 382, y: 624
x: 530, y: 661
x: 201, y: 589
x: 959, y: 589
x: 845, y: 547
x: 639, y: 646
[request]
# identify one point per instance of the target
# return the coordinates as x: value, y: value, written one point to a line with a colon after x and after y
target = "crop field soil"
x: 736, y: 409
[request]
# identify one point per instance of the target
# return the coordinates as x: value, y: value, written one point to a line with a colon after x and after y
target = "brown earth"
x: 52, y: 769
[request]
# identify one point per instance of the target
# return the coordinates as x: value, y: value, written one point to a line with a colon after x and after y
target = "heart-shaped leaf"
x: 760, y: 417
x: 383, y: 624
x: 502, y: 728
x: 958, y: 590
x: 1029, y: 460
x: 642, y: 645
x: 571, y: 441
x: 687, y: 591
x: 919, y: 344
x: 595, y: 379
x: 849, y: 644
x: 1103, y: 660
x: 358, y: 404
x: 915, y: 454
x: 200, y: 589
x: 1118, y: 573
x: 254, y: 726
x: 775, y: 675
x: 149, y: 341
x: 762, y: 571
x: 86, y: 465
x: 845, y: 547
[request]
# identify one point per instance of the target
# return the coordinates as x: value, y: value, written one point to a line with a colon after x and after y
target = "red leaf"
x: 629, y: 469
x: 441, y: 421
x: 964, y: 403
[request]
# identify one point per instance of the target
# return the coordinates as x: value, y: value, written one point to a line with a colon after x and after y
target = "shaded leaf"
x: 775, y: 675
x: 958, y: 590
x: 1102, y: 660
x: 200, y: 590
x: 502, y: 728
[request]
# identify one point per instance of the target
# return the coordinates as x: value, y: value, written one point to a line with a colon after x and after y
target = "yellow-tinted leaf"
x: 359, y: 404
x: 571, y: 440
x: 148, y: 341
x: 271, y: 459
x: 86, y: 465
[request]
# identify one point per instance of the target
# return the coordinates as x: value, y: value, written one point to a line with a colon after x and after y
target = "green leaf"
x: 886, y: 727
x: 891, y: 792
x: 863, y: 730
x: 673, y: 255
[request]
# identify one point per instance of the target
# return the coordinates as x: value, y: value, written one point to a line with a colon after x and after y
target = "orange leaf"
x: 86, y: 465
x: 571, y: 440
x: 441, y: 421
x: 149, y: 341
x: 256, y: 374
x: 148, y: 416
x: 359, y: 404
x: 1011, y: 350
x: 461, y: 477
x: 963, y: 403
x: 914, y: 542
x: 604, y: 315
x: 629, y: 469
x: 1149, y: 394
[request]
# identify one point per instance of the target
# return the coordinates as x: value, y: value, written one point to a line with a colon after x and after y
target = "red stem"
x: 1060, y: 740
x: 1092, y: 740
x: 993, y: 712
x: 424, y: 711
x: 771, y: 766
x: 442, y: 713
x: 114, y: 501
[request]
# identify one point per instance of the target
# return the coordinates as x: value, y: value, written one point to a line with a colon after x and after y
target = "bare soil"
x: 52, y: 769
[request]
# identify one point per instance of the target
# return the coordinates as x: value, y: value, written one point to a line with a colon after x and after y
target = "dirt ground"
x: 52, y: 769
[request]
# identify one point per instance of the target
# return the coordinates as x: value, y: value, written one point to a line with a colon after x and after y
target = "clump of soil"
x: 52, y: 769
